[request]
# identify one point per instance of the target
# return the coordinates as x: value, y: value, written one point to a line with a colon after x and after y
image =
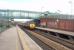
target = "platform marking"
x: 18, y: 42
x: 23, y: 41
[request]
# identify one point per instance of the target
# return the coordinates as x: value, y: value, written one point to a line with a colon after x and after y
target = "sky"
x: 60, y: 6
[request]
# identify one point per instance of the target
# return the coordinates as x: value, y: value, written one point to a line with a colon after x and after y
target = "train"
x: 60, y: 24
x: 52, y: 23
x: 30, y: 24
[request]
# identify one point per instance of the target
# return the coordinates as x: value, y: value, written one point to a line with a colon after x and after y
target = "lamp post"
x: 70, y: 2
x: 41, y: 11
x: 46, y: 16
x: 8, y: 16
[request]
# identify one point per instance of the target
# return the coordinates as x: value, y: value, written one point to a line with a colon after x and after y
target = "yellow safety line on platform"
x: 23, y: 41
x: 17, y: 47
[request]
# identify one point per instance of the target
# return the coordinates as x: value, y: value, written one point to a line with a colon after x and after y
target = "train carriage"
x: 58, y: 23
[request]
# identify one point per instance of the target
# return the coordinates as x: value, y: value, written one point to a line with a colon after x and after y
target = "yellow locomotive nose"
x: 32, y: 26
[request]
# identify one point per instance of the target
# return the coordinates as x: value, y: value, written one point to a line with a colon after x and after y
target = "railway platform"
x: 57, y: 31
x: 16, y: 39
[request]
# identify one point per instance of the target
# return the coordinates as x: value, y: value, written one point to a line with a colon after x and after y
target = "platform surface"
x: 27, y: 42
x: 58, y: 31
x: 16, y: 39
x: 9, y: 40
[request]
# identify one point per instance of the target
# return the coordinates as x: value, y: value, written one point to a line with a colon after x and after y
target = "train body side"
x: 53, y: 23
x: 62, y: 24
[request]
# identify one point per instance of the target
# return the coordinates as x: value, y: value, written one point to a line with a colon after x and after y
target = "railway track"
x: 57, y: 39
x: 51, y: 41
x: 39, y: 42
x: 48, y: 34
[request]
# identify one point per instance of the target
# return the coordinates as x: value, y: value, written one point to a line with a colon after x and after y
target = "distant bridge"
x: 19, y: 14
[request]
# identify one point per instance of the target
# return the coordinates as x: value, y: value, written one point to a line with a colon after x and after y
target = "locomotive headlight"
x: 32, y: 26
